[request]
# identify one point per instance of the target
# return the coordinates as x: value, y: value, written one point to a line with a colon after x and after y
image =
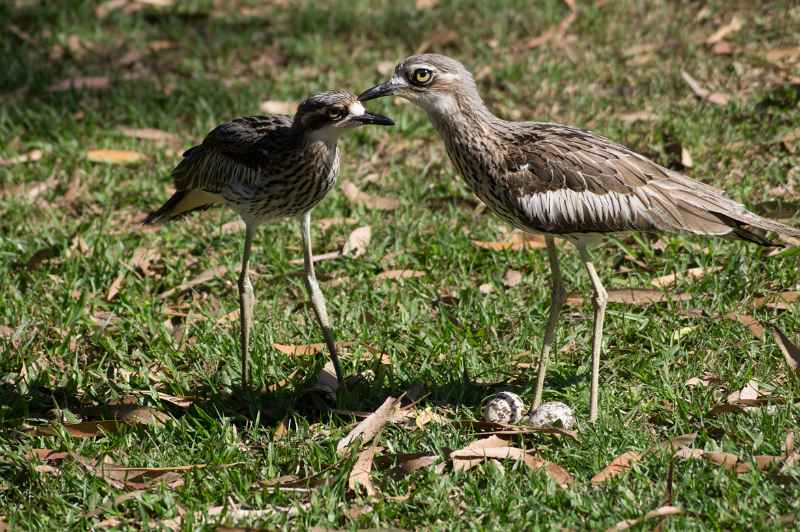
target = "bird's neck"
x: 463, y: 114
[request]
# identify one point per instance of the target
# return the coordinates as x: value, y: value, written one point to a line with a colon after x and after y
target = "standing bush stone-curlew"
x: 562, y: 182
x: 268, y: 167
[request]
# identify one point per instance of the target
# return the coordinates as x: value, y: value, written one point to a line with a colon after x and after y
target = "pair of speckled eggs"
x: 509, y: 408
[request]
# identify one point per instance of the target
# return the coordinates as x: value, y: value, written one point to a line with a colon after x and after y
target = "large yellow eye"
x: 422, y: 76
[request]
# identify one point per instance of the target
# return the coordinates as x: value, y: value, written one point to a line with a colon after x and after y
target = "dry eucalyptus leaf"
x: 370, y: 426
x: 360, y: 474
x: 690, y: 274
x: 663, y: 511
x: 618, y: 465
x: 275, y: 107
x: 423, y: 5
x: 519, y: 240
x: 780, y: 301
x: 636, y: 116
x: 115, y: 156
x: 496, y: 448
x: 299, y: 350
x: 398, y: 275
x: 371, y: 201
x: 634, y: 296
x: 731, y: 27
x: 716, y: 98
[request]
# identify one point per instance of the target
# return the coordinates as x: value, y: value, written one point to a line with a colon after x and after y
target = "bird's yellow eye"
x: 336, y: 114
x: 422, y: 76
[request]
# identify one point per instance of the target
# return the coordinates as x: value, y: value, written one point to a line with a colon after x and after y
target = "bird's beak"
x: 384, y: 89
x: 373, y: 118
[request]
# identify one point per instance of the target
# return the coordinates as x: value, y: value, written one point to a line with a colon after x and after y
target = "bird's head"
x: 327, y: 115
x: 432, y: 81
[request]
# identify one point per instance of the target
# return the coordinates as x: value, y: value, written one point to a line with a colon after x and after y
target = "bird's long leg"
x: 600, y: 300
x: 317, y: 299
x: 557, y: 297
x: 246, y: 301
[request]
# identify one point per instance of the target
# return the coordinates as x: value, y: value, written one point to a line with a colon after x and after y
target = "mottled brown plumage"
x: 562, y: 181
x: 267, y: 167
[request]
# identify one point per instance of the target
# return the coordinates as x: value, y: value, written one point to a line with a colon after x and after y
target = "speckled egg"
x: 503, y: 407
x: 552, y: 414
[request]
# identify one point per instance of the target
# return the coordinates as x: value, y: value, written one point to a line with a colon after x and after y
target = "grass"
x: 65, y: 347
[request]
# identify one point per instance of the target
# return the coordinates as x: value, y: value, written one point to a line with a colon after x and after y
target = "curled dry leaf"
x: 664, y: 511
x: 423, y: 5
x: 202, y: 278
x: 360, y: 474
x: 617, y: 466
x: 519, y: 240
x: 497, y: 448
x: 690, y: 274
x: 731, y: 27
x: 553, y: 34
x: 636, y: 116
x: 370, y: 426
x: 790, y: 351
x: 357, y: 242
x: 275, y: 107
x: 634, y: 296
x: 30, y: 157
x: 371, y: 201
x: 115, y: 156
x: 299, y: 350
x: 398, y: 275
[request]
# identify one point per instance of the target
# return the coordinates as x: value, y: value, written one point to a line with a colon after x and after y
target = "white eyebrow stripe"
x: 356, y: 109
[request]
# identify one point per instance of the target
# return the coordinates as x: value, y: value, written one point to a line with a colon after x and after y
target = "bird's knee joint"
x: 245, y: 285
x: 601, y: 298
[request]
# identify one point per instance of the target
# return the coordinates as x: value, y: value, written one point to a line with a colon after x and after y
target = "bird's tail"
x: 181, y: 203
x: 749, y: 219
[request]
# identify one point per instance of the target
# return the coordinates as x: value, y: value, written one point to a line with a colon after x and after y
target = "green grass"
x: 438, y: 330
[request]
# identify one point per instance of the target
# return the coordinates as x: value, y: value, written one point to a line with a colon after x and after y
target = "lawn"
x: 119, y: 343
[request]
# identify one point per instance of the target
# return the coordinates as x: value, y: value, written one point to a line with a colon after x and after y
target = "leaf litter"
x: 371, y: 201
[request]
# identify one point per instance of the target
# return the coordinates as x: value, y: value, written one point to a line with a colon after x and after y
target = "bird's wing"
x: 230, y: 153
x: 567, y: 180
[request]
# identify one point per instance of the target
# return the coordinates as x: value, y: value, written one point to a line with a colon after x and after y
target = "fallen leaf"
x: 299, y: 350
x: 360, y: 474
x: 617, y: 466
x: 371, y: 201
x: 512, y: 278
x: 634, y: 296
x: 486, y: 288
x: 115, y: 286
x: 790, y: 351
x: 781, y: 301
x: 370, y: 426
x: 778, y: 54
x: 202, y: 278
x: 716, y: 98
x: 30, y: 157
x: 115, y: 156
x: 691, y: 274
x: 357, y: 242
x: 87, y: 429
x: 494, y: 447
x: 398, y: 275
x: 423, y: 5
x: 156, y: 135
x: 519, y: 240
x: 410, y: 462
x: 722, y: 48
x: 755, y: 327
x: 275, y: 107
x: 750, y: 392
x: 731, y: 27
x: 707, y: 380
x: 107, y: 7
x: 95, y: 83
x: 664, y: 511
